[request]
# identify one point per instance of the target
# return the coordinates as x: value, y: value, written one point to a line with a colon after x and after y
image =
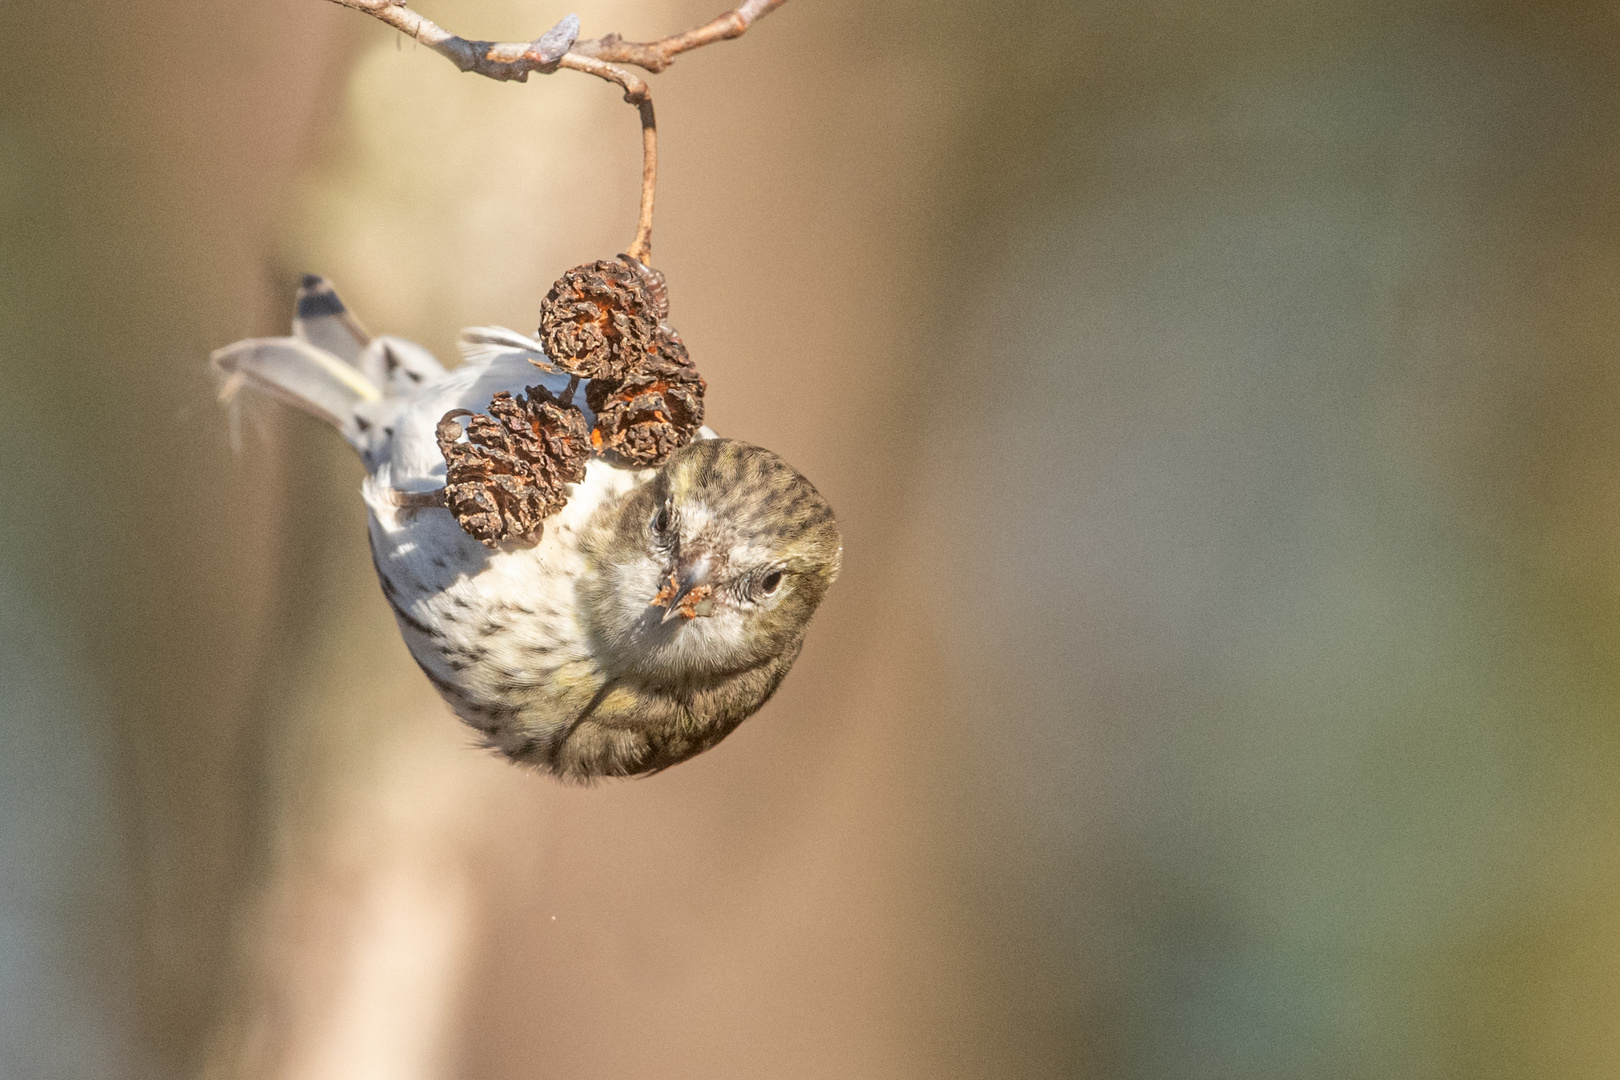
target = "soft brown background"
x: 1221, y: 405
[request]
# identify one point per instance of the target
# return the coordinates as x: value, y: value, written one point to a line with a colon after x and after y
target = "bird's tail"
x: 330, y: 367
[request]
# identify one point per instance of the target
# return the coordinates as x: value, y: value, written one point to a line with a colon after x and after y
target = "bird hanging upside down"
x: 592, y: 581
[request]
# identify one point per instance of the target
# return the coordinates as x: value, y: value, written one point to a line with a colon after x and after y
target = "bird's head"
x: 713, y: 566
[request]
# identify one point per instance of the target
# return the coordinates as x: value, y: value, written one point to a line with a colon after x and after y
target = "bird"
x: 658, y: 607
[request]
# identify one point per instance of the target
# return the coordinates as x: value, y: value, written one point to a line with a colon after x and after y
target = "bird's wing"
x: 400, y: 367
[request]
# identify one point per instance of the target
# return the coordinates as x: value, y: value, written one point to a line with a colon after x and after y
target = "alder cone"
x: 508, y: 476
x: 651, y: 412
x: 599, y: 320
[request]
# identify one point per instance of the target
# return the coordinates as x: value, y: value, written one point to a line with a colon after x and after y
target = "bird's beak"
x: 686, y: 593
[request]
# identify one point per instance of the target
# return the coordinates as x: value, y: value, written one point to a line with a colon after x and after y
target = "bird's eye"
x: 660, y: 521
x: 770, y: 582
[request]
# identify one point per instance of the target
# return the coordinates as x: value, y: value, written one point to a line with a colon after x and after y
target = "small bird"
x: 658, y: 608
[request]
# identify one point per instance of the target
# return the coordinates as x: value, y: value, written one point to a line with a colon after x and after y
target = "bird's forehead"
x: 697, y: 516
x: 723, y: 530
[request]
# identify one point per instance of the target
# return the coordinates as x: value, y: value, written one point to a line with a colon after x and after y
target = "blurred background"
x: 1221, y: 404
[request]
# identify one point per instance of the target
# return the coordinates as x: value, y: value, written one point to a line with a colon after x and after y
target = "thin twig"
x: 655, y: 56
x: 509, y: 61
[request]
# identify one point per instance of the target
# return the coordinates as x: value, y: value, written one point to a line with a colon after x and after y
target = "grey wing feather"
x: 301, y: 375
x: 392, y: 364
x: 322, y: 319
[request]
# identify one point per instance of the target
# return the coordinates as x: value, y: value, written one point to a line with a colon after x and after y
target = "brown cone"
x: 599, y: 320
x: 508, y: 476
x: 653, y: 411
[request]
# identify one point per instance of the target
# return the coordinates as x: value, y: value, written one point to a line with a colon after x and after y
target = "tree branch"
x: 509, y: 61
